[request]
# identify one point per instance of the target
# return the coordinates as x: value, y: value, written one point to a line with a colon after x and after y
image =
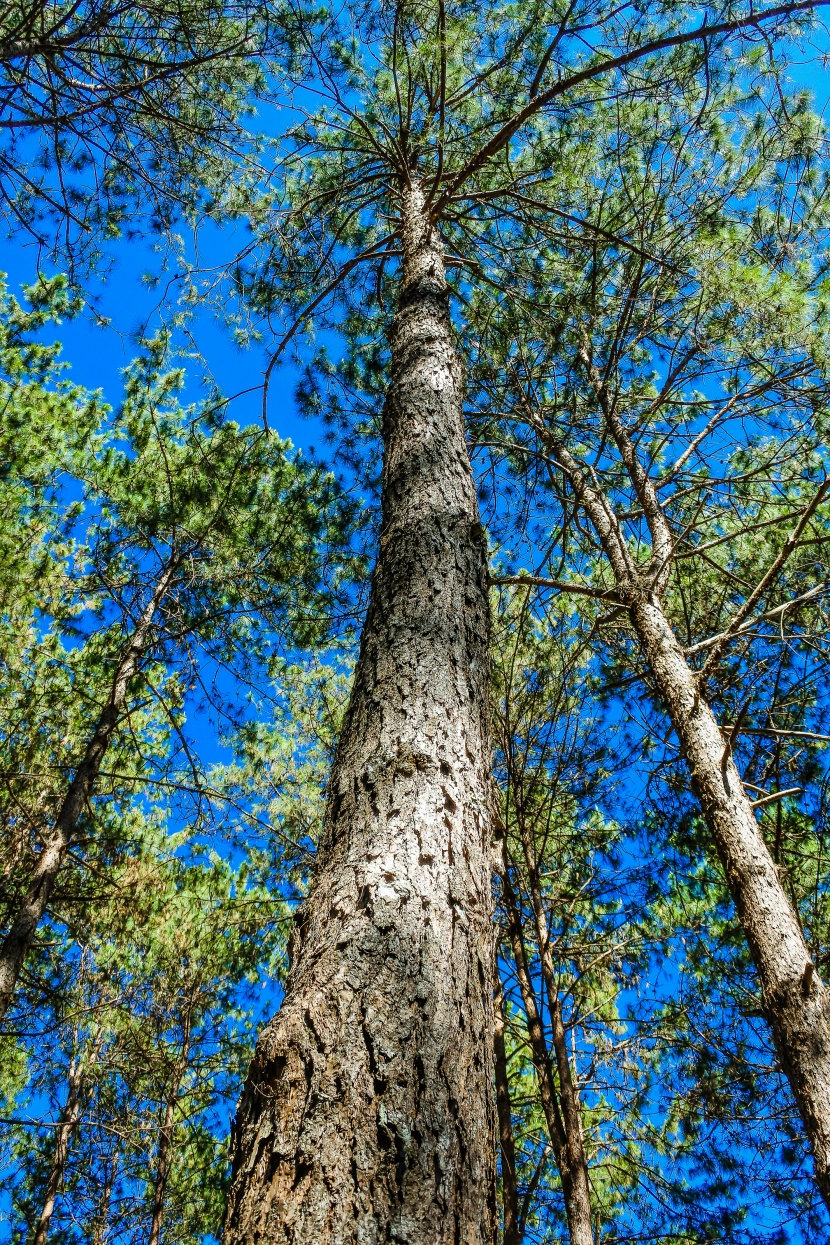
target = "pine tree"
x: 367, y: 1112
x: 675, y: 387
x: 200, y: 542
x: 125, y: 118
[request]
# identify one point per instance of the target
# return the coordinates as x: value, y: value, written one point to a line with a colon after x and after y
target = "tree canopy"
x: 424, y: 839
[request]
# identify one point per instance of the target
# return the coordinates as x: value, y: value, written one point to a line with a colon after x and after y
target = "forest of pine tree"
x: 414, y: 622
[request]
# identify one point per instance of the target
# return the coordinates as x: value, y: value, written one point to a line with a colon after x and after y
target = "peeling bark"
x: 368, y: 1112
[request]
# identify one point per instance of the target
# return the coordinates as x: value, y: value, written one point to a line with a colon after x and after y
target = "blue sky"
x: 98, y: 354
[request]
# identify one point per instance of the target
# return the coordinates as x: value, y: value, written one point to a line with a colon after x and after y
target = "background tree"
x: 462, y: 141
x: 684, y: 422
x: 182, y: 947
x: 625, y: 984
x: 156, y: 1021
x: 125, y: 118
x: 196, y: 551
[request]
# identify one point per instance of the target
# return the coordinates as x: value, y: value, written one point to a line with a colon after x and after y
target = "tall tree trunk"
x: 162, y: 1174
x: 68, y: 1121
x: 796, y: 1001
x: 50, y: 861
x: 368, y: 1112
x: 512, y: 1234
x: 164, y: 1153
x: 100, y: 1223
x: 579, y: 1214
x: 569, y: 1156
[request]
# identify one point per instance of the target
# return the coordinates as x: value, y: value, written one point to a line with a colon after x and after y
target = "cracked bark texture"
x: 368, y: 1112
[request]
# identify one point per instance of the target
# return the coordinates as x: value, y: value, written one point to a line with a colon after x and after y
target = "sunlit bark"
x: 368, y: 1114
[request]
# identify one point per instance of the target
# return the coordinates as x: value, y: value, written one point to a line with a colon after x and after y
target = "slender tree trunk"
x: 50, y: 861
x: 570, y: 1158
x: 68, y: 1121
x: 368, y: 1113
x: 163, y: 1157
x: 796, y: 1001
x: 512, y: 1234
x: 579, y: 1213
x: 164, y: 1153
x: 100, y: 1224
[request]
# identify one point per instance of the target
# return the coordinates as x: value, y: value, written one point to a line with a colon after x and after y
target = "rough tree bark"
x: 368, y: 1112
x: 50, y: 861
x: 796, y: 1001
